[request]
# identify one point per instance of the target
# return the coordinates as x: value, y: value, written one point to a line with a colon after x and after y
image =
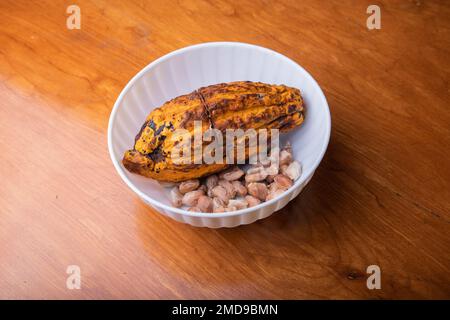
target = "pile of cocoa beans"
x: 234, y: 189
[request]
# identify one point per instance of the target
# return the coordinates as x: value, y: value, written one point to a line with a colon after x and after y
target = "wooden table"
x: 380, y: 196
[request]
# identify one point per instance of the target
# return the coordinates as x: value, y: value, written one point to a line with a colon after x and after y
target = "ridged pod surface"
x: 235, y: 105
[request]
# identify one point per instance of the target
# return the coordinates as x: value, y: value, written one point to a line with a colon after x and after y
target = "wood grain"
x: 381, y: 195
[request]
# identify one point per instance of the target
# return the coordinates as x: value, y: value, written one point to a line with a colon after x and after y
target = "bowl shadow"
x: 269, y: 258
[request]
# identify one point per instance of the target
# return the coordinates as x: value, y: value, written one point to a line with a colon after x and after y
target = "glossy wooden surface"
x: 381, y: 195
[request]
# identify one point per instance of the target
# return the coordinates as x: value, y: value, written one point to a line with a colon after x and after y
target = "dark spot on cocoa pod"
x: 292, y: 108
x: 152, y: 125
x: 140, y: 131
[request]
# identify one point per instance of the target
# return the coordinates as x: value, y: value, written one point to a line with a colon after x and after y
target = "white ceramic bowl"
x: 187, y: 69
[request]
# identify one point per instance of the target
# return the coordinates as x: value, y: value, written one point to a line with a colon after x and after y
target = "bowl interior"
x: 185, y: 70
